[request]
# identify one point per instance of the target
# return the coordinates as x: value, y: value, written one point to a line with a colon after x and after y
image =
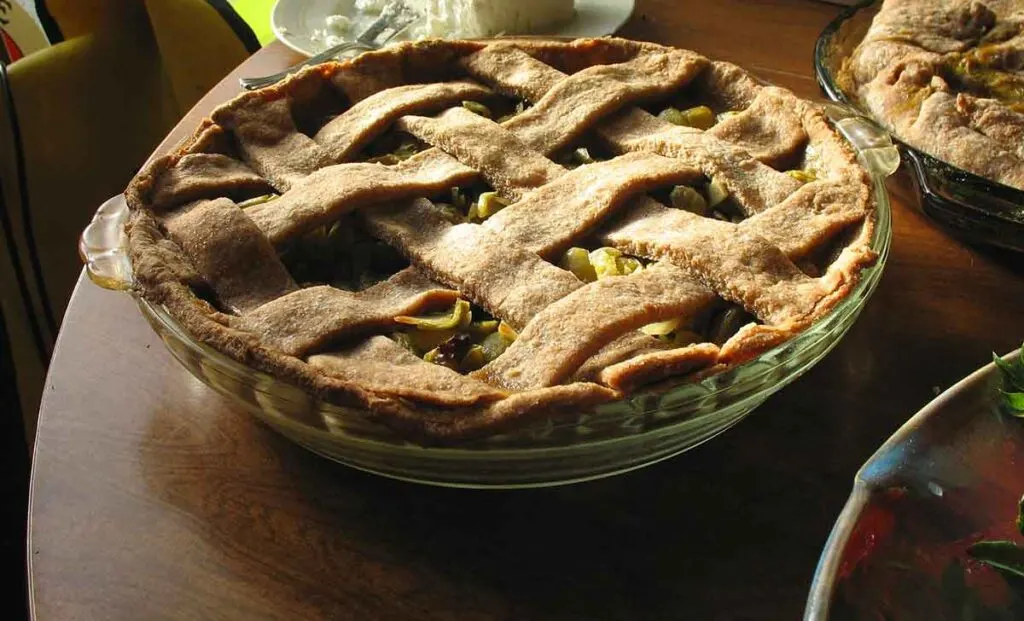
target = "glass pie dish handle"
x: 875, y: 149
x: 103, y: 246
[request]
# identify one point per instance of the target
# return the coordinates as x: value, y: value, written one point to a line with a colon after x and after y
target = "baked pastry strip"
x: 329, y: 193
x: 650, y: 366
x: 501, y: 157
x: 562, y: 336
x: 752, y: 185
x: 269, y: 140
x: 740, y: 266
x: 231, y: 254
x: 552, y: 218
x: 382, y: 365
x: 578, y: 102
x: 309, y: 319
x: 767, y: 129
x: 446, y: 422
x: 799, y: 225
x: 205, y: 175
x: 346, y: 134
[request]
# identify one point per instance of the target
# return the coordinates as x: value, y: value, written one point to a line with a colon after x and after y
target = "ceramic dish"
x: 295, y: 22
x: 648, y: 426
x: 973, y: 207
x: 950, y: 477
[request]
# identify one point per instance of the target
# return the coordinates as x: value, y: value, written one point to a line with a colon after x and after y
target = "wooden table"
x: 153, y: 498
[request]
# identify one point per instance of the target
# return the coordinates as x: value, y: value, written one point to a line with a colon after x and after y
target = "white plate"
x: 294, y: 21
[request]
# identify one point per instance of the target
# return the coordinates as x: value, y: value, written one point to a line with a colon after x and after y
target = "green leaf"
x: 1006, y: 556
x: 1014, y: 401
x: 1013, y: 372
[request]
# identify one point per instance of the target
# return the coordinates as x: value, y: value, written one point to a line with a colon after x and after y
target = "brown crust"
x: 946, y: 79
x: 164, y: 276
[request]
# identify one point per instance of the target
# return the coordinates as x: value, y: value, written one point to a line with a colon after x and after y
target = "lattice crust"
x: 216, y: 266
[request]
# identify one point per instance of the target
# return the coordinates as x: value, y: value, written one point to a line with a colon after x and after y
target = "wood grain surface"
x: 153, y: 498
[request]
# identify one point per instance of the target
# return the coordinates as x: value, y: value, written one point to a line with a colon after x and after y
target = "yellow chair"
x: 76, y: 121
x: 200, y: 41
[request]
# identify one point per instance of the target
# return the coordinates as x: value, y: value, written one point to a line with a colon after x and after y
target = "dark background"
x: 14, y: 473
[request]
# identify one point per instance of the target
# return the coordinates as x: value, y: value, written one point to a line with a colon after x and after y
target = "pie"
x: 948, y: 78
x: 464, y: 236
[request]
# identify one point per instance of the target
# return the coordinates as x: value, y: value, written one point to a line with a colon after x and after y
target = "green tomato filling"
x: 452, y: 339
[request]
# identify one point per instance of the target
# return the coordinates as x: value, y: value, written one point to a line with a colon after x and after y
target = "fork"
x: 395, y: 17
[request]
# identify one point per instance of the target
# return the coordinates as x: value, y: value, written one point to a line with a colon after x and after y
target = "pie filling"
x: 531, y: 228
x: 990, y: 72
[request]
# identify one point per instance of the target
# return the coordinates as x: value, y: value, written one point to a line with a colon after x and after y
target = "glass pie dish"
x: 648, y: 426
x: 975, y: 208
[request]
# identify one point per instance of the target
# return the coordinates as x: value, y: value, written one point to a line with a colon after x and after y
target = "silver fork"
x: 395, y: 17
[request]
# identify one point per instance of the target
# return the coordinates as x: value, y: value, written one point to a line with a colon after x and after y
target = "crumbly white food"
x: 338, y: 23
x: 455, y: 19
x: 335, y: 33
x: 481, y: 18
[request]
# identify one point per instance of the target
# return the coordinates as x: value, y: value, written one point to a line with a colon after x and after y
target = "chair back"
x: 77, y: 120
x: 28, y: 325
